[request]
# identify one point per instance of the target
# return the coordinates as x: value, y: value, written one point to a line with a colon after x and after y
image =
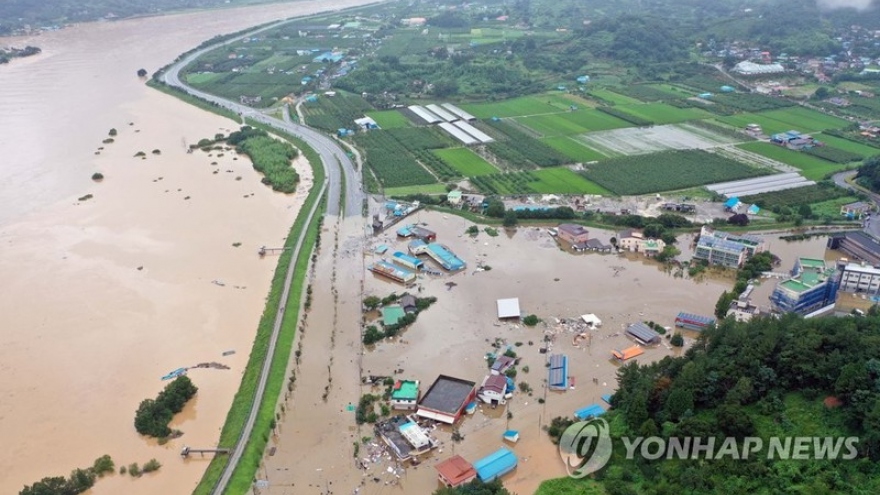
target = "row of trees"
x: 79, y: 480
x: 153, y: 415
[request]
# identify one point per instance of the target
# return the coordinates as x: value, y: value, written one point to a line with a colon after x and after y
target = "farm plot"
x: 391, y: 162
x: 816, y: 193
x: 468, y: 163
x: 573, y: 149
x: 594, y: 120
x: 551, y: 125
x: 667, y: 171
x: 612, y: 97
x: 847, y: 145
x: 642, y: 140
x: 768, y: 125
x: 813, y: 168
x: 805, y: 120
x: 661, y: 113
x: 560, y: 180
x: 517, y: 107
x: 389, y: 119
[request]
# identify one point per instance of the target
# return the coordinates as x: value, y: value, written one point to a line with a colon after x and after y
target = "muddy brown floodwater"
x: 314, y: 447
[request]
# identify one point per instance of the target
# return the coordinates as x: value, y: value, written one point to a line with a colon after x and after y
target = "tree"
x: 371, y: 302
x: 805, y: 211
x: 677, y: 340
x: 112, y: 132
x: 723, y: 304
x: 97, y: 176
x: 739, y: 219
x: 142, y: 72
x: 654, y: 230
x: 510, y: 219
x: 821, y: 93
x: 495, y: 208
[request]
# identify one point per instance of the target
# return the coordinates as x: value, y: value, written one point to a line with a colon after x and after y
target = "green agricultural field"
x: 517, y: 107
x: 573, y: 149
x: 406, y: 190
x: 389, y: 119
x: 661, y: 113
x: 612, y: 97
x: 667, y: 171
x: 552, y: 125
x: 812, y: 168
x: 768, y: 125
x: 805, y: 120
x: 847, y: 145
x: 466, y: 161
x: 560, y: 180
x: 202, y: 77
x: 594, y: 120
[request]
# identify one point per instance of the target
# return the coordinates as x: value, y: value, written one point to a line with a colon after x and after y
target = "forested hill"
x: 785, y: 377
x: 16, y: 14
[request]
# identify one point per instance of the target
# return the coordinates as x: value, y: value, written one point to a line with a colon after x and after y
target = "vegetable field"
x: 847, y: 145
x: 796, y: 197
x: 389, y: 119
x: 465, y: 161
x: 521, y: 150
x: 612, y: 97
x: 390, y: 160
x: 622, y: 114
x: 561, y: 180
x: 667, y: 171
x: 833, y: 154
x: 573, y: 149
x: 661, y: 113
x: 517, y: 107
x: 812, y: 168
x: 571, y: 123
x: 805, y: 120
x: 337, y: 112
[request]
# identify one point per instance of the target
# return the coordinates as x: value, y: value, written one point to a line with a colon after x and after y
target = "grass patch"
x: 389, y: 119
x: 667, y: 171
x: 811, y: 167
x: 661, y: 113
x: 612, y: 97
x: 805, y: 120
x: 594, y: 120
x: 573, y: 149
x: 831, y: 207
x: 406, y: 190
x: 561, y: 180
x: 466, y: 161
x: 517, y: 107
x: 847, y: 145
x: 768, y: 125
x: 552, y: 125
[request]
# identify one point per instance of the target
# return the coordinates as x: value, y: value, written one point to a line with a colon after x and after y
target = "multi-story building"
x: 859, y: 278
x: 813, y: 285
x: 635, y: 241
x: 726, y: 249
x: 857, y: 244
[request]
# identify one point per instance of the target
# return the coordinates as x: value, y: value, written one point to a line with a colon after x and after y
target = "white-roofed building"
x: 509, y: 308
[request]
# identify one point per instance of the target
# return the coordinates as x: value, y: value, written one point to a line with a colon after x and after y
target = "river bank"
x: 107, y: 294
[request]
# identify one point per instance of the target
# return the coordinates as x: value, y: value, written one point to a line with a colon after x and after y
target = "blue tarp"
x: 731, y: 203
x: 592, y: 411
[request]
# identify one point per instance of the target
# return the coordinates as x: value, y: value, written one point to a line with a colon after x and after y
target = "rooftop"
x: 447, y: 394
x: 858, y: 267
x: 572, y: 229
x: 509, y: 308
x: 392, y: 314
x: 495, y: 464
x: 405, y: 390
x: 812, y: 263
x: 456, y: 470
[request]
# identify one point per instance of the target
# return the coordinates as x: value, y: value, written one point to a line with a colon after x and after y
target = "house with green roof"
x: 405, y: 394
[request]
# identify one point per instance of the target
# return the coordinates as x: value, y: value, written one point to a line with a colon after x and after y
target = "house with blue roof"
x: 495, y: 465
x: 591, y: 411
x: 732, y: 204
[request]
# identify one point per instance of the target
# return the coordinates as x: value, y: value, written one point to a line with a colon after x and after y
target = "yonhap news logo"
x: 585, y: 447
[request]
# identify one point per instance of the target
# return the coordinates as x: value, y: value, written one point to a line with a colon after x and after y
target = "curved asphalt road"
x: 872, y: 227
x: 330, y: 152
x: 337, y: 167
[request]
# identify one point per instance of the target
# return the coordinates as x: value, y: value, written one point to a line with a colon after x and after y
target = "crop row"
x: 505, y: 184
x: 440, y: 168
x: 646, y: 93
x: 391, y: 161
x: 852, y: 135
x: 666, y: 171
x: 751, y: 102
x: 620, y: 114
x: 795, y: 197
x: 419, y: 138
x: 832, y: 154
x: 521, y: 150
x: 337, y: 112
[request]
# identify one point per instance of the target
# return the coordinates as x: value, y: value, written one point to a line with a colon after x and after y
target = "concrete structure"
x: 591, y: 411
x: 643, y: 334
x: 858, y: 245
x: 592, y: 245
x: 747, y: 68
x: 794, y: 140
x: 439, y: 253
x: 813, y: 285
x: 572, y: 233
x: 693, y: 322
x: 407, y: 261
x: 508, y: 308
x: 635, y: 241
x: 558, y: 372
x: 859, y: 278
x: 405, y: 394
x: 856, y: 210
x: 405, y: 437
x: 495, y: 465
x: 459, y: 112
x: 502, y: 364
x: 395, y: 273
x: 493, y: 390
x: 592, y: 320
x: 725, y: 249
x: 446, y: 399
x: 455, y: 471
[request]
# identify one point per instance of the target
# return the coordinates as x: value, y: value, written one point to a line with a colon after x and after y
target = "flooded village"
x: 468, y: 340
